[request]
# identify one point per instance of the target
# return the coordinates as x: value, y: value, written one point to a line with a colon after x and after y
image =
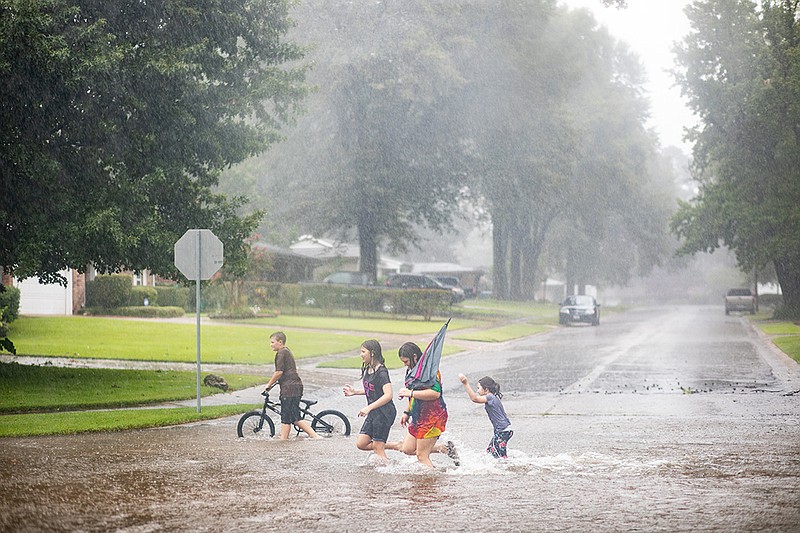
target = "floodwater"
x: 605, y: 440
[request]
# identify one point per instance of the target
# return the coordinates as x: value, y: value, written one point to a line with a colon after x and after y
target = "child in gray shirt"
x: 489, y: 395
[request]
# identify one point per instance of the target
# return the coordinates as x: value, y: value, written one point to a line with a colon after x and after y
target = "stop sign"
x: 202, y: 244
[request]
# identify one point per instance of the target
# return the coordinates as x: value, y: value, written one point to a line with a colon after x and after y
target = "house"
x: 339, y: 256
x: 469, y: 278
x: 37, y: 298
x: 283, y: 265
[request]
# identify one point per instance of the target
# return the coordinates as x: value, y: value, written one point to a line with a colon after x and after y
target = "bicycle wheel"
x: 249, y: 426
x: 331, y: 422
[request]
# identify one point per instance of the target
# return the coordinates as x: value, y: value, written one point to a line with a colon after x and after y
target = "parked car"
x: 347, y: 278
x: 740, y: 300
x: 579, y: 308
x: 421, y: 281
x: 454, y: 283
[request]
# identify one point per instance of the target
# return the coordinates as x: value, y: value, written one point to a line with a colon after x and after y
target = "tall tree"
x: 741, y: 70
x: 116, y: 117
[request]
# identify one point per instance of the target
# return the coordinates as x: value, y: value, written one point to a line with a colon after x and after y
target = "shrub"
x: 139, y: 293
x: 9, y: 305
x: 173, y: 296
x: 141, y: 311
x: 109, y: 292
x: 425, y: 302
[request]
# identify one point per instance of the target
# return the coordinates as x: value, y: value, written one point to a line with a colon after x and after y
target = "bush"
x: 108, y: 292
x: 173, y: 296
x: 786, y: 313
x: 425, y: 302
x: 141, y: 311
x: 139, y: 293
x: 9, y: 305
x: 770, y: 300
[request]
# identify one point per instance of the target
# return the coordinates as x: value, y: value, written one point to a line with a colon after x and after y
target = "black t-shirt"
x: 373, y: 387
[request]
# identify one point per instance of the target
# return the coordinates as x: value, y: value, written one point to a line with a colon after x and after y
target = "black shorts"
x: 290, y: 410
x: 377, y: 426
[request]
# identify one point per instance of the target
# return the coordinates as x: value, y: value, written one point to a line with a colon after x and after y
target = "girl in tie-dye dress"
x: 426, y: 415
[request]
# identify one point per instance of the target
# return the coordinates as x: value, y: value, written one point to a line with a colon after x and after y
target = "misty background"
x: 442, y: 133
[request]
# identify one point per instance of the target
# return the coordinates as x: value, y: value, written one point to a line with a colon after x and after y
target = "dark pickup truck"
x: 740, y: 300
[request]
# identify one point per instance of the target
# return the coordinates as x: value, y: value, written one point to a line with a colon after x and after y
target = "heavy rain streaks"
x: 594, y: 448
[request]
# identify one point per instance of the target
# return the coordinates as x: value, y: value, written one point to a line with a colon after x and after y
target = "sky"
x: 650, y: 28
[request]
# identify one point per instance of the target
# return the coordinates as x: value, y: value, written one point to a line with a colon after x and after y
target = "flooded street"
x: 668, y: 419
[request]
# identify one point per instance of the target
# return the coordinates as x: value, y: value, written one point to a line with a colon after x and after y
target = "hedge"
x: 109, y: 292
x: 9, y: 304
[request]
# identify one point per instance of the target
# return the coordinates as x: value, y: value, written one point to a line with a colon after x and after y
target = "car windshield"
x: 579, y: 300
x: 739, y: 292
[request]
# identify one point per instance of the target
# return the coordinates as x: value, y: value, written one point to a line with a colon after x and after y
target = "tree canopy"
x: 511, y: 109
x: 741, y: 70
x: 117, y: 116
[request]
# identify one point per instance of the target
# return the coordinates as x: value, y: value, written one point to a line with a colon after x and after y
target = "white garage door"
x: 38, y: 299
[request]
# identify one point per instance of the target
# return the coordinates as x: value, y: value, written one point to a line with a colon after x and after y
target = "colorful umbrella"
x: 424, y: 376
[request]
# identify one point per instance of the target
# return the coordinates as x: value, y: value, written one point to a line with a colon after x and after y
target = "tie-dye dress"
x: 428, y: 418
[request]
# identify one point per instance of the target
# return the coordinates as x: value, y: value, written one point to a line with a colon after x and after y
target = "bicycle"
x: 329, y: 421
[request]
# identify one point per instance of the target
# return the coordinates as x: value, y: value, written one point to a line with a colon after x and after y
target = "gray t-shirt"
x: 497, y: 414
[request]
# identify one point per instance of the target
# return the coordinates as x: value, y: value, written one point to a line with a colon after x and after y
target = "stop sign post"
x: 199, y: 254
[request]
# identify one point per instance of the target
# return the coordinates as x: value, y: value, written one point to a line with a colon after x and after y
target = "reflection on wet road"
x: 657, y: 420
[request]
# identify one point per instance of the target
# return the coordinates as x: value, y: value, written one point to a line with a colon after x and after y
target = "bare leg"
x: 305, y: 426
x: 408, y: 445
x: 365, y: 443
x: 424, y: 449
x: 285, y: 428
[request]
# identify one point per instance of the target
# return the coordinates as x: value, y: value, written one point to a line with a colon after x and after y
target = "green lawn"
x: 367, y: 325
x: 39, y: 400
x: 114, y: 420
x: 785, y: 335
x: 504, y: 333
x: 153, y: 340
x: 391, y: 358
x: 26, y: 388
x: 27, y: 391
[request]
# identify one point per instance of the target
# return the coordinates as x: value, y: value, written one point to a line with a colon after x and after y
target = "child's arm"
x: 273, y: 380
x: 350, y: 391
x: 474, y: 396
x: 425, y: 395
x: 383, y: 400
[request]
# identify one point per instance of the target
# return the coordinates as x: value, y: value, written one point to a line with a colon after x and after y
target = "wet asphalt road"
x: 662, y: 419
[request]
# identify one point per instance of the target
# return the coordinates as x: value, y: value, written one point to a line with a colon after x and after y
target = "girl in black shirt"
x: 380, y: 410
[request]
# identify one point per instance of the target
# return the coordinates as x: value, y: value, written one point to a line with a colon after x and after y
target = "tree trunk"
x: 368, y: 248
x: 788, y: 274
x: 499, y: 251
x: 514, y: 268
x: 530, y: 264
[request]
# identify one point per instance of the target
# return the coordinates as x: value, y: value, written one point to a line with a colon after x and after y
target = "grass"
x: 25, y: 388
x: 153, y: 340
x: 392, y: 361
x: 504, y: 333
x: 780, y: 328
x: 27, y: 391
x: 481, y: 308
x: 40, y: 424
x: 368, y: 325
x: 790, y: 345
x: 785, y: 335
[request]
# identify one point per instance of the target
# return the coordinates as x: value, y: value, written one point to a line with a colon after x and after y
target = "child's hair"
x: 374, y: 347
x: 279, y: 335
x: 491, y: 385
x: 411, y: 352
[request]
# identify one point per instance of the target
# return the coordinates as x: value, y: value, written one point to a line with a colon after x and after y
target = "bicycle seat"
x: 309, y: 403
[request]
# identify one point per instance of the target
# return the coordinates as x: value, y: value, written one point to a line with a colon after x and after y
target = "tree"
x: 741, y: 70
x: 116, y: 118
